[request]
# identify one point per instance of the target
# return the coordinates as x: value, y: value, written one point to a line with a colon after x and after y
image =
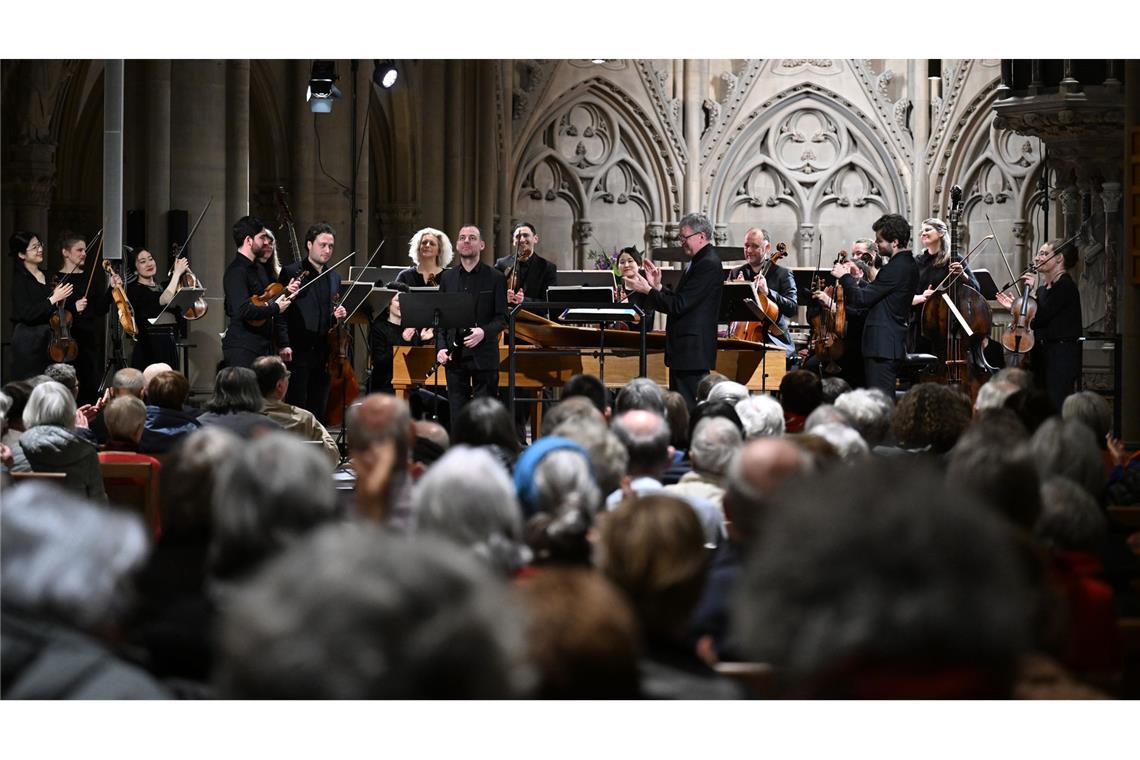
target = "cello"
x: 957, y: 318
x: 755, y: 330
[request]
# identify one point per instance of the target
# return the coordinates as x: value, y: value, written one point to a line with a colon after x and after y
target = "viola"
x: 62, y: 347
x: 1018, y: 337
x: 754, y: 331
x: 272, y: 291
x: 187, y: 279
x: 122, y: 305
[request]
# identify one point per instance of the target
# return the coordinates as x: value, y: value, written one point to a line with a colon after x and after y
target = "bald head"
x: 432, y: 431
x: 129, y: 380
x: 646, y: 436
x: 377, y: 418
x: 759, y: 469
x: 153, y: 370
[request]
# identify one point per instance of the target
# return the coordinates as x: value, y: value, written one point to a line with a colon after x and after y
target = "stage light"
x: 385, y: 73
x: 322, y: 90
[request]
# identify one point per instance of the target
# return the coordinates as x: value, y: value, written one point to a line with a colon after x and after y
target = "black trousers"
x: 156, y: 344
x: 685, y: 382
x: 464, y: 382
x: 1059, y: 369
x: 309, y: 384
x: 881, y: 373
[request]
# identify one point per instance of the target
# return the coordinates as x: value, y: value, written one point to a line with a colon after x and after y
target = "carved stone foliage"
x: 530, y: 76
x: 591, y: 170
x: 806, y: 157
x: 722, y: 112
x: 892, y: 113
x: 668, y: 108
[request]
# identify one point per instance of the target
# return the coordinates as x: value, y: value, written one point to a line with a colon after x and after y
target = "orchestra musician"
x: 851, y: 363
x: 251, y: 326
x: 629, y: 265
x: 431, y: 252
x: 887, y: 301
x: 476, y: 371
x: 302, y: 337
x: 865, y: 250
x: 1058, y: 326
x: 532, y: 273
x: 149, y: 299
x: 387, y: 333
x: 933, y: 266
x: 777, y: 283
x: 34, y: 300
x: 87, y: 303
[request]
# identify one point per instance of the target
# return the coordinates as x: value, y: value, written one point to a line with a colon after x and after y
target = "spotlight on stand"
x: 385, y: 74
x: 321, y: 90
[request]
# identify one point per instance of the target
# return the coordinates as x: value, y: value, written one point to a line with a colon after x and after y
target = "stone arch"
x: 599, y: 154
x: 817, y: 162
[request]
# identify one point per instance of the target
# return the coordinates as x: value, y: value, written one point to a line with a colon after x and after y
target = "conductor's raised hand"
x: 652, y: 274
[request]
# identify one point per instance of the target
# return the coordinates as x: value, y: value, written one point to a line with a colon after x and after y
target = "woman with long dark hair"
x: 34, y: 300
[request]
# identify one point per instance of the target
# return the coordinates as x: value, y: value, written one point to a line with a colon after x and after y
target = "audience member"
x: 590, y: 387
x: 761, y: 415
x: 167, y: 419
x: 677, y: 415
x: 832, y: 388
x: 484, y: 421
x: 559, y: 498
x: 930, y: 417
x: 354, y: 613
x: 715, y: 440
x: 237, y: 404
x: 380, y: 438
x: 846, y: 440
x: 869, y: 412
x: 728, y: 390
x: 640, y: 393
x: 1068, y: 449
x: 273, y: 382
x: 800, y: 393
x: 574, y: 410
x: 706, y: 384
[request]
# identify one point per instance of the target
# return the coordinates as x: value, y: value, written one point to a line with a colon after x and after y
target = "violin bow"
x: 182, y: 248
x: 1004, y: 259
x: 98, y: 253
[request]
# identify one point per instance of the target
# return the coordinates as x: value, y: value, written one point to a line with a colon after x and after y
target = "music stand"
x: 597, y: 278
x: 183, y: 300
x: 375, y: 303
x: 986, y: 281
x: 383, y: 275
x: 355, y: 296
x: 439, y: 311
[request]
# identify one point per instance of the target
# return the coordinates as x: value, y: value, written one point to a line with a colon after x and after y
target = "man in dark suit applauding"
x: 888, y: 301
x: 303, y: 336
x: 691, y: 310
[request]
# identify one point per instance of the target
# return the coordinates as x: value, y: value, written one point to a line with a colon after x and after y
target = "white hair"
x: 64, y: 557
x: 870, y: 412
x: 50, y: 403
x: 761, y: 415
x: 445, y: 250
x: 728, y: 390
x: 468, y: 497
x: 846, y: 440
x: 993, y: 394
x: 715, y: 440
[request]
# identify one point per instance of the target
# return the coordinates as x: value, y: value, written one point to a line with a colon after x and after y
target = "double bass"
x: 957, y: 333
x: 343, y: 385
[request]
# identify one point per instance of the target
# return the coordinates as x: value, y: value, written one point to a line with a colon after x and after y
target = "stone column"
x: 1022, y: 232
x: 918, y: 87
x: 237, y: 139
x: 433, y: 117
x: 1111, y: 195
x: 583, y: 231
x: 1070, y: 210
x: 692, y: 116
x: 487, y: 177
x: 456, y: 188
x: 156, y: 109
x: 807, y: 242
x: 198, y: 172
x: 500, y: 238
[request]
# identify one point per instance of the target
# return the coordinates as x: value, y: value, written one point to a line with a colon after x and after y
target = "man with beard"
x: 246, y: 277
x: 776, y: 283
x: 302, y: 336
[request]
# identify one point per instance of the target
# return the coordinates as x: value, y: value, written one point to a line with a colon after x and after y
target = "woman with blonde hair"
x: 933, y: 266
x: 431, y: 251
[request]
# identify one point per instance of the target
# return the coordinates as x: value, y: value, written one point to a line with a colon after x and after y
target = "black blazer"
x: 781, y: 289
x: 309, y: 318
x: 244, y: 278
x: 490, y: 290
x: 691, y: 313
x: 540, y: 275
x: 887, y: 300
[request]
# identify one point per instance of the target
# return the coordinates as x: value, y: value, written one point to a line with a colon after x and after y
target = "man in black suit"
x: 691, y: 310
x: 245, y: 277
x: 303, y: 336
x: 534, y: 274
x: 777, y: 284
x: 476, y: 371
x: 887, y: 300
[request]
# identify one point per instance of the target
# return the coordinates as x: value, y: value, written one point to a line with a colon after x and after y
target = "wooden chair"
x: 134, y: 485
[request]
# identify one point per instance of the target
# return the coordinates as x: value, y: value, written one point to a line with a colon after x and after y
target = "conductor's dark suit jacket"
x: 540, y: 274
x: 887, y: 300
x: 691, y: 313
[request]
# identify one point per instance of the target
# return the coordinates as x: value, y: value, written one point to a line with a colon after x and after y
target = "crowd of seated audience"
x: 841, y: 544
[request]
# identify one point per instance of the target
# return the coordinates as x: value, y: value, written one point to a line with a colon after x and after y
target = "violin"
x: 272, y: 291
x: 122, y: 304
x: 62, y: 347
x: 829, y: 324
x: 187, y: 279
x: 753, y: 330
x: 343, y: 385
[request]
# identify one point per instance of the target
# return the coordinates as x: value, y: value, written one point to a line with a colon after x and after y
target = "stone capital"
x: 1110, y: 196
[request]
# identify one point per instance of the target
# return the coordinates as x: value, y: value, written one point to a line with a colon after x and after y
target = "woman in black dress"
x: 629, y: 264
x: 155, y: 342
x: 431, y: 251
x: 34, y: 300
x: 1057, y: 326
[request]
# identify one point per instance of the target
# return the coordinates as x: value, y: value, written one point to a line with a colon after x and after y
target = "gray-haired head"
x: 480, y: 513
x: 697, y: 223
x: 1015, y: 375
x: 50, y: 403
x: 715, y: 440
x: 761, y: 415
x: 609, y: 459
x: 129, y: 380
x: 645, y: 435
x: 65, y: 558
x: 1070, y: 518
x: 640, y: 393
x: 267, y: 496
x: 1069, y: 449
x: 729, y: 390
x: 355, y: 613
x: 825, y: 414
x: 65, y: 375
x: 845, y: 439
x: 869, y: 410
x: 993, y: 393
x: 1091, y: 409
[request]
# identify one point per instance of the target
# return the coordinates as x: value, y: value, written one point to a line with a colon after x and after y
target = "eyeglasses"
x: 691, y: 234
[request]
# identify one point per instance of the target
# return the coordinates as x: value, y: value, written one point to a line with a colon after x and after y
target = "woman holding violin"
x: 431, y: 251
x: 149, y: 299
x: 1057, y: 325
x: 88, y: 302
x: 34, y: 301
